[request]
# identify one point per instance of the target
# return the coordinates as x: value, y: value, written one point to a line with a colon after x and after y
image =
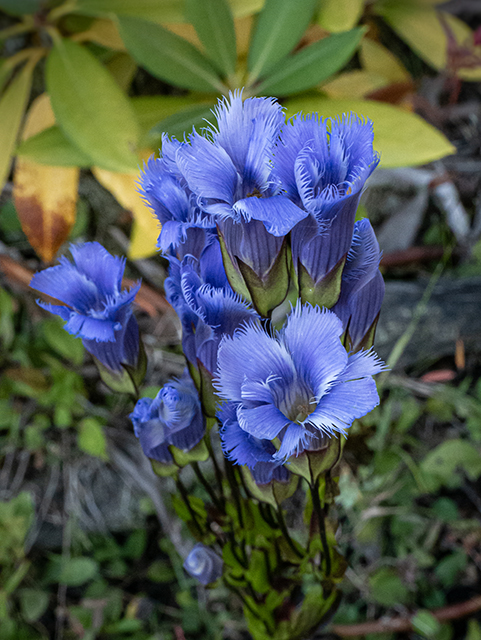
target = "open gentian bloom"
x: 362, y: 287
x: 95, y: 308
x: 323, y: 171
x: 230, y: 168
x: 299, y: 383
x: 203, y: 564
x: 174, y: 417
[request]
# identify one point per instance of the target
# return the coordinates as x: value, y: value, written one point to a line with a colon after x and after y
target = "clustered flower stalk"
x: 278, y: 292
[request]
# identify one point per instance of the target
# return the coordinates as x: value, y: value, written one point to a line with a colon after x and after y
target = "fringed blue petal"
x: 278, y: 214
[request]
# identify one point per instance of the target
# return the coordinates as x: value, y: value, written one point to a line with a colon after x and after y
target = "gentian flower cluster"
x: 94, y: 306
x: 244, y: 206
x: 278, y: 292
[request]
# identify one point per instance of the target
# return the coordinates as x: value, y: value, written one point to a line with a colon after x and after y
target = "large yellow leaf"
x: 401, y: 137
x: 146, y: 228
x: 420, y: 26
x: 354, y: 84
x: 340, y: 15
x: 103, y: 32
x: 377, y: 59
x: 45, y: 197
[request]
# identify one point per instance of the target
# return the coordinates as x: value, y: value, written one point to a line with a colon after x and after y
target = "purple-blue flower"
x: 203, y: 564
x: 166, y: 193
x: 296, y: 384
x: 95, y: 308
x: 207, y: 306
x: 362, y: 286
x: 173, y: 417
x: 230, y: 167
x: 245, y: 449
x: 323, y: 166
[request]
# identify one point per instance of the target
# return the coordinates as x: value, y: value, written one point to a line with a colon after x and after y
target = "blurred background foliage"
x: 88, y: 549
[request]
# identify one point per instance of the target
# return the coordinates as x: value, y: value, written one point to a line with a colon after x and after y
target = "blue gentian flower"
x: 166, y: 193
x: 362, y: 287
x: 173, y: 417
x: 207, y: 306
x: 230, y: 167
x: 203, y: 564
x: 323, y: 171
x: 292, y: 386
x: 95, y: 308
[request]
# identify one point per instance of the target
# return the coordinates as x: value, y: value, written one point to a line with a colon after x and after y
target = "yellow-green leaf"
x: 354, y: 84
x: 45, y: 196
x: 401, y: 137
x: 146, y: 227
x: 103, y: 32
x: 335, y: 16
x: 91, y: 438
x: 150, y: 110
x: 12, y: 108
x: 91, y: 108
x: 377, y: 59
x: 420, y: 26
x: 154, y: 10
x: 52, y: 147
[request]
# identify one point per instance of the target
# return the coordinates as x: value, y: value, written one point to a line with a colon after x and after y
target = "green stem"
x: 285, y: 532
x: 18, y: 28
x: 229, y: 471
x: 185, y: 498
x: 217, y: 471
x: 316, y: 503
x: 207, y: 487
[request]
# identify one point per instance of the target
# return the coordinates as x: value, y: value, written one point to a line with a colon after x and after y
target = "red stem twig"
x: 404, y: 623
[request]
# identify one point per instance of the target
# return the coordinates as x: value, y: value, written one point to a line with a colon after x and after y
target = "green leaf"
x: 313, y: 64
x: 335, y: 16
x: 155, y: 10
x: 402, y: 138
x: 91, y: 108
x: 12, y: 108
x: 63, y: 343
x: 474, y: 630
x: 19, y: 7
x: 387, y: 588
x: 279, y: 28
x: 426, y: 624
x: 52, y: 147
x: 199, y: 453
x: 441, y: 465
x: 149, y: 110
x: 214, y: 24
x: 91, y: 438
x: 182, y: 122
x: 33, y: 603
x: 168, y: 56
x: 448, y: 568
x: 78, y: 571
